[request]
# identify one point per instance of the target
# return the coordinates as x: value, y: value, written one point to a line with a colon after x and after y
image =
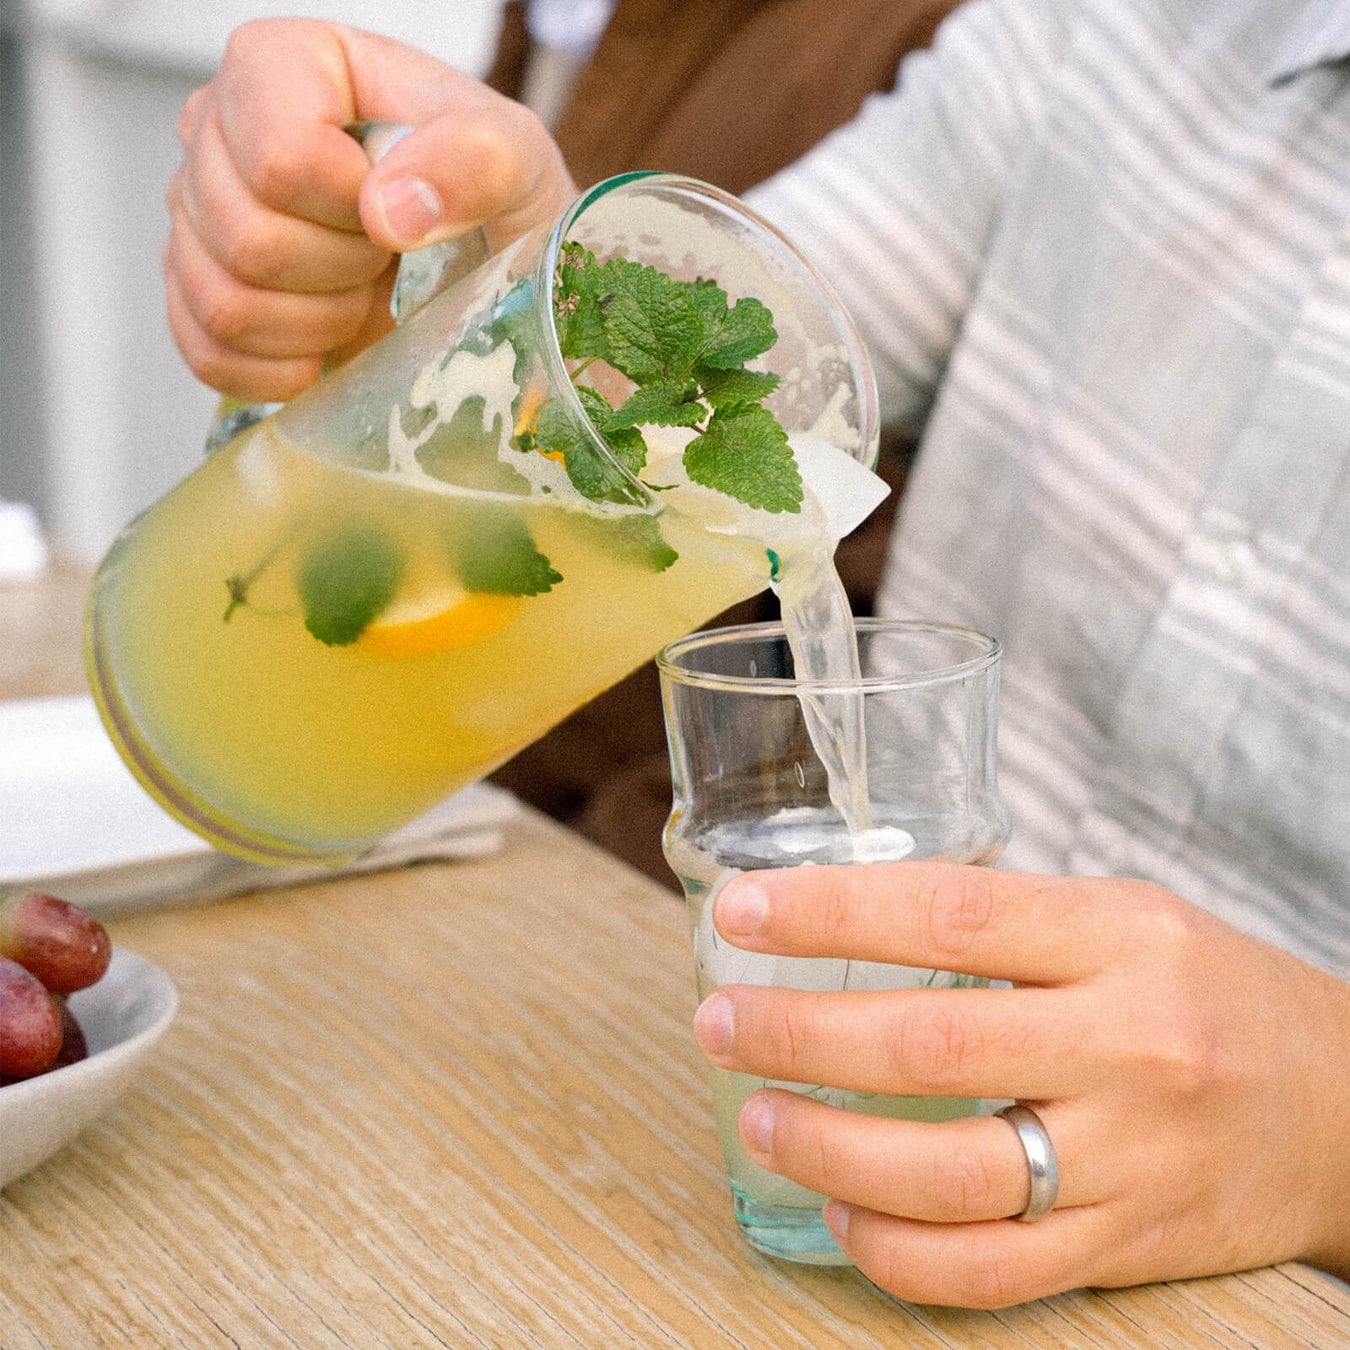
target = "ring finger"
x: 959, y: 1171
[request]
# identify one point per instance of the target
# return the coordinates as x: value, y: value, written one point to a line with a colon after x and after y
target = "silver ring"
x: 1041, y: 1161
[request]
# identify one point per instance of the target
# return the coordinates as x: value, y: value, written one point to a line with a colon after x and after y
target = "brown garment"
x: 724, y: 90
x: 728, y: 91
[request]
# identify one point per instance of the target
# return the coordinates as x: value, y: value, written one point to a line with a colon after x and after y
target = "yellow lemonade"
x: 207, y: 673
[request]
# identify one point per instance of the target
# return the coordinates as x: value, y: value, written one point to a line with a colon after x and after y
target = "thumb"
x: 487, y: 161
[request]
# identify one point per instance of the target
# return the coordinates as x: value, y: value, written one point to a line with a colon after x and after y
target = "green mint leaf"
x: 684, y: 347
x: 591, y: 473
x: 738, y: 335
x: 711, y: 302
x: 579, y: 299
x: 664, y: 403
x: 731, y: 335
x: 652, y: 323
x: 629, y: 448
x: 557, y: 433
x: 345, y: 579
x: 497, y: 556
x: 724, y: 387
x: 745, y: 453
x: 635, y: 539
x: 625, y: 443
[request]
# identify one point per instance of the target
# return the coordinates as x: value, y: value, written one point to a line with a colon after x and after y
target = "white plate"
x: 122, y: 1016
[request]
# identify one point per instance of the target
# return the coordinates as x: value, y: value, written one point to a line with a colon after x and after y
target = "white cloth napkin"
x: 75, y: 822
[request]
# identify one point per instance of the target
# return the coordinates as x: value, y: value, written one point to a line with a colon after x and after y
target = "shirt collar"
x: 1316, y: 37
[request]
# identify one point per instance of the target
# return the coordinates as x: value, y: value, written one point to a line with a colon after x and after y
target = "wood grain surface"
x: 459, y: 1106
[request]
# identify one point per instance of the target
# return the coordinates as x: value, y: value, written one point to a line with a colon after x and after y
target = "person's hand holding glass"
x: 1183, y: 1072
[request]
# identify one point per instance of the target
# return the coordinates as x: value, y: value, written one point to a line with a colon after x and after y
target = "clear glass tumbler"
x: 750, y: 792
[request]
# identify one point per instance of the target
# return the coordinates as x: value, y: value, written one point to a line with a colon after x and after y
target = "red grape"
x: 30, y: 1023
x: 73, y: 1045
x: 63, y: 946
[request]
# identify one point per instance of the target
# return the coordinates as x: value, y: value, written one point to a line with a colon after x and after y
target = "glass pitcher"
x: 383, y: 590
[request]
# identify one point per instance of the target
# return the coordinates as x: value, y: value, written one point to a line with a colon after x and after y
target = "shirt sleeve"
x: 895, y: 207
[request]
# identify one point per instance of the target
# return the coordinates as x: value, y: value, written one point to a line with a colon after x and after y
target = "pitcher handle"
x: 422, y: 275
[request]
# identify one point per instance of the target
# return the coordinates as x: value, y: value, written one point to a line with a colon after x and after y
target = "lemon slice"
x: 434, y: 619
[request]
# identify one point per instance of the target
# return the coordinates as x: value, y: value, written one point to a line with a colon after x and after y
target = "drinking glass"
x: 751, y: 792
x: 506, y: 587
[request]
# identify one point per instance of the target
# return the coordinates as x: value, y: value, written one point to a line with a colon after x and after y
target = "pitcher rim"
x: 560, y: 379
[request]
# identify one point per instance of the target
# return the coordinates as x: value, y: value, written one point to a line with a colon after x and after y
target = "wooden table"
x: 459, y: 1106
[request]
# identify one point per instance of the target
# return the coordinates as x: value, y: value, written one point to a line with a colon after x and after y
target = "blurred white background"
x: 98, y: 414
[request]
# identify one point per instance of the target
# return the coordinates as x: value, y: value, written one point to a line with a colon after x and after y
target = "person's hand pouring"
x: 282, y: 233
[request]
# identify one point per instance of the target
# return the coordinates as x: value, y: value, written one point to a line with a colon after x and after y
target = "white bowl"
x: 122, y: 1017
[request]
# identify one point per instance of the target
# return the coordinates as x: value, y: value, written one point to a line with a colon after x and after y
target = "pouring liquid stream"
x: 824, y: 644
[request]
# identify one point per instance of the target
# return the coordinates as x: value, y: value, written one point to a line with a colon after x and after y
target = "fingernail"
x: 756, y: 1128
x: 741, y: 909
x: 410, y: 207
x: 837, y: 1215
x: 712, y: 1025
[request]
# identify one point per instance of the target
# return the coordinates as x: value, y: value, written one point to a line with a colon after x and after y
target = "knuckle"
x: 819, y: 1159
x: 224, y: 311
x: 1175, y: 934
x: 831, y: 908
x: 1170, y: 919
x: 793, y: 1034
x: 885, y: 1264
x: 1175, y: 1041
x: 529, y: 126
x: 274, y: 168
x: 207, y: 363
x: 253, y: 36
x: 934, y: 1046
x: 248, y: 249
x: 350, y: 313
x: 956, y: 907
x: 1183, y: 1052
x: 496, y: 160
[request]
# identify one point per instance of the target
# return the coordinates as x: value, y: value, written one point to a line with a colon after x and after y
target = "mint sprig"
x: 685, y: 347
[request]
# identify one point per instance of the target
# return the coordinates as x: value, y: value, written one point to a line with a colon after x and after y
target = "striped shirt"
x: 1100, y: 251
